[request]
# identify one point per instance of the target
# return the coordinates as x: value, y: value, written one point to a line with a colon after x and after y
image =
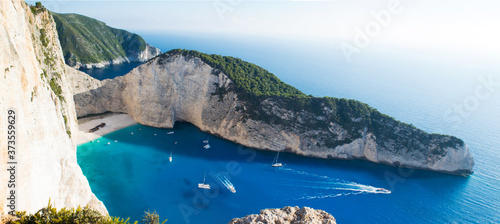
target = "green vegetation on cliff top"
x: 88, y: 40
x: 86, y: 214
x: 256, y: 85
x: 248, y: 77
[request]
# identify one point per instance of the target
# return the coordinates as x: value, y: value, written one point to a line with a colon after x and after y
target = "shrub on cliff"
x: 79, y: 215
x: 37, y: 8
x: 151, y: 218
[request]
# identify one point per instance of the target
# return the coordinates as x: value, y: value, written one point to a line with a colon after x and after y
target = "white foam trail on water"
x: 224, y: 180
x: 328, y: 196
x: 328, y: 183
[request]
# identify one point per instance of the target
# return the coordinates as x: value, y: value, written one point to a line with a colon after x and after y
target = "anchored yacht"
x: 204, y: 185
x: 275, y: 162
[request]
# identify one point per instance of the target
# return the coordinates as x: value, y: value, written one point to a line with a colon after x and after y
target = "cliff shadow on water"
x: 111, y: 71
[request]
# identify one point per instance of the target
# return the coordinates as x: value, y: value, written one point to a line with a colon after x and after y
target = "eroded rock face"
x: 287, y: 215
x: 174, y: 87
x: 80, y: 82
x: 34, y: 84
x: 139, y: 56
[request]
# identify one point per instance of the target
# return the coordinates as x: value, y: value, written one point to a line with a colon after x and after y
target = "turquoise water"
x: 134, y: 174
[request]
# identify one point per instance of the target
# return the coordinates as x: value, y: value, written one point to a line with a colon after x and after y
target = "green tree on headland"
x: 260, y: 91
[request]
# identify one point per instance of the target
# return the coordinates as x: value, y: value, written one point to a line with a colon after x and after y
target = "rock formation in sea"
x: 287, y: 215
x: 34, y: 85
x: 181, y: 86
x: 90, y: 43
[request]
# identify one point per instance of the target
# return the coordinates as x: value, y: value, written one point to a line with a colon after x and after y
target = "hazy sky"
x: 461, y: 25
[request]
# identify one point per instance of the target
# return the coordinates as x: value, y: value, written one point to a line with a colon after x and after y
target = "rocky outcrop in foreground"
x: 181, y: 87
x: 34, y: 85
x: 288, y: 215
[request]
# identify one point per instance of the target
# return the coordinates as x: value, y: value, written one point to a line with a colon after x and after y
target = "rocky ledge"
x: 287, y: 215
x: 227, y: 97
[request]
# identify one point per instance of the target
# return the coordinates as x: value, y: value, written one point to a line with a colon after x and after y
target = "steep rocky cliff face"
x: 90, y: 43
x: 288, y: 215
x: 80, y: 82
x: 179, y: 87
x: 34, y: 84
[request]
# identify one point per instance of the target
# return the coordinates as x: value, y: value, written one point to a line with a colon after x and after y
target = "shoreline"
x: 114, y: 122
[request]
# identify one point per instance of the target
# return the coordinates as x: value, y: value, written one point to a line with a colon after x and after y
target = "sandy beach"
x: 114, y: 121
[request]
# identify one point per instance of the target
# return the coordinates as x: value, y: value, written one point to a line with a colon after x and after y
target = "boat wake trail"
x: 224, y: 180
x: 319, y: 186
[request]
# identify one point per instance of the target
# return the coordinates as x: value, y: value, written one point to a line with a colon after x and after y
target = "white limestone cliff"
x: 80, y: 82
x: 30, y: 59
x: 101, y: 64
x: 174, y: 87
x: 141, y: 56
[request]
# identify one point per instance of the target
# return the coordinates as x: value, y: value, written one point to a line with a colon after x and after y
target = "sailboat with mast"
x: 275, y: 162
x: 204, y: 185
x: 170, y: 158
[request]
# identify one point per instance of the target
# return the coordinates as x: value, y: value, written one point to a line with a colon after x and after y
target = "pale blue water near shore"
x: 134, y: 174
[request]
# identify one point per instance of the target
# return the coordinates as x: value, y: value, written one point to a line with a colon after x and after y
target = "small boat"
x: 275, y: 162
x: 109, y: 143
x: 154, y: 134
x: 382, y: 190
x: 170, y: 158
x: 170, y: 133
x: 206, y: 146
x: 226, y: 182
x: 204, y: 185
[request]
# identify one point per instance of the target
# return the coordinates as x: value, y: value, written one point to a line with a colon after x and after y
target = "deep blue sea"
x: 111, y: 71
x: 420, y: 87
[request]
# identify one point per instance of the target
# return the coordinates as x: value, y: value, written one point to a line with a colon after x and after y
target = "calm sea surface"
x: 133, y: 172
x: 111, y: 71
